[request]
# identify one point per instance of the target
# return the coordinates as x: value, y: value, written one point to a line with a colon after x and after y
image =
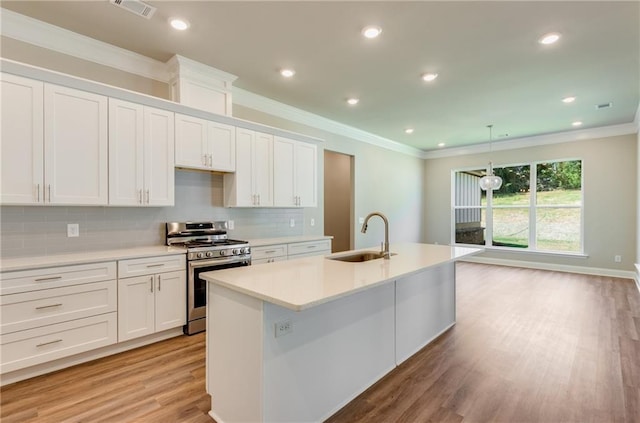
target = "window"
x: 537, y: 208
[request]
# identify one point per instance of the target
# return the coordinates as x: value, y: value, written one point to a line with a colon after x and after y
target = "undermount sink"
x: 360, y: 256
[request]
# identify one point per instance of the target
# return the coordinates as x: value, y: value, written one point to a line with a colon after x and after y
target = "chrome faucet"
x: 385, y: 251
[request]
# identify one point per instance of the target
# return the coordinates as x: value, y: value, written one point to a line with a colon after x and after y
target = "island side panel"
x: 234, y: 355
x: 425, y: 308
x: 335, y: 351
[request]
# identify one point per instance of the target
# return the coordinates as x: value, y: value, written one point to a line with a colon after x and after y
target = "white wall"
x: 610, y: 193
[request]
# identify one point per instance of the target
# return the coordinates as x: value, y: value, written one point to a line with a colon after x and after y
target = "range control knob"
x: 246, y: 250
x: 200, y: 255
x: 223, y: 253
x: 236, y: 251
x: 209, y: 253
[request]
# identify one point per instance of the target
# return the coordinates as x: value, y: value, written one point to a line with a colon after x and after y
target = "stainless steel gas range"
x: 208, y: 248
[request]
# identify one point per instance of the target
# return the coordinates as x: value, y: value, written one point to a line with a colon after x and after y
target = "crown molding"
x: 51, y: 37
x: 263, y: 104
x: 536, y: 141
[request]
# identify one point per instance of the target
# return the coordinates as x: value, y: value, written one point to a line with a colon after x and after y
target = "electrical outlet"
x: 617, y: 259
x: 361, y: 220
x: 292, y: 222
x: 73, y: 230
x: 283, y: 327
x: 312, y: 222
x: 231, y: 225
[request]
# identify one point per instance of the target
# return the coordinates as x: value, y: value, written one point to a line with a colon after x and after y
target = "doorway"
x: 338, y: 199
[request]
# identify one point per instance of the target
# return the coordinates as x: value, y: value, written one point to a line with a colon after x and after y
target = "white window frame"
x: 532, y: 206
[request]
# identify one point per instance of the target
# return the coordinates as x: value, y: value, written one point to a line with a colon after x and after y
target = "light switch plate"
x: 312, y: 222
x: 292, y: 222
x: 231, y: 225
x: 73, y: 230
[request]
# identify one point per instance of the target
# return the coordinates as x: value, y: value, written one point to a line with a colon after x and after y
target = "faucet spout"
x: 387, y: 254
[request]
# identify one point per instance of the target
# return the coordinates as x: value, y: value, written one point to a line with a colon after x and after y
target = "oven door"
x: 197, y: 287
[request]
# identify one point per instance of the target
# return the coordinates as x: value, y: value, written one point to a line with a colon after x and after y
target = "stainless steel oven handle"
x: 205, y: 263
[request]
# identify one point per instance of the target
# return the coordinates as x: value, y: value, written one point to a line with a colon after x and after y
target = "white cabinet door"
x: 159, y: 159
x: 252, y: 183
x: 262, y: 166
x: 126, y: 171
x: 22, y: 147
x: 284, y: 152
x: 306, y: 174
x: 75, y: 145
x: 192, y: 150
x: 136, y: 315
x: 170, y: 300
x: 222, y: 143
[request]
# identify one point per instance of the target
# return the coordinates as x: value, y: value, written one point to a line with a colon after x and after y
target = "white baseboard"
x: 62, y: 363
x: 625, y: 274
x: 637, y: 274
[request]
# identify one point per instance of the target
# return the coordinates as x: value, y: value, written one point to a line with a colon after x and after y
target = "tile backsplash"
x: 42, y: 230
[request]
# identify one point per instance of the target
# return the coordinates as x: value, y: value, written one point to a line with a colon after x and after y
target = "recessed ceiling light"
x: 179, y: 24
x: 353, y: 101
x: 549, y: 38
x: 429, y: 76
x: 408, y: 131
x: 577, y: 123
x: 441, y: 144
x: 568, y: 99
x: 371, y: 31
x: 287, y: 73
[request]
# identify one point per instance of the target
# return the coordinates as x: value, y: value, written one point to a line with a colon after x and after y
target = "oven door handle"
x: 205, y: 263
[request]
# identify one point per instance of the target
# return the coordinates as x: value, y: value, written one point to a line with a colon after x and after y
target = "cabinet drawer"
x: 268, y: 260
x: 55, y: 277
x: 151, y: 265
x: 48, y: 306
x: 268, y: 251
x: 310, y: 248
x: 35, y: 346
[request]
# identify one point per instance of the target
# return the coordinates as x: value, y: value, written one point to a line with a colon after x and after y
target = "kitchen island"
x: 295, y: 341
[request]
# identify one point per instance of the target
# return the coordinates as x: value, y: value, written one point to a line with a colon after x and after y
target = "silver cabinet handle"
x: 155, y: 265
x: 38, y: 192
x: 147, y: 196
x: 159, y: 283
x: 48, y: 306
x: 210, y: 160
x: 49, y: 343
x: 140, y: 196
x: 311, y: 246
x: 151, y: 283
x: 258, y: 199
x: 204, y: 159
x: 52, y: 278
x: 270, y: 252
x: 255, y: 200
x: 49, y: 189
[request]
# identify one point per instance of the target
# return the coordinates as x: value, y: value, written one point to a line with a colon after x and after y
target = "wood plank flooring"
x: 529, y: 346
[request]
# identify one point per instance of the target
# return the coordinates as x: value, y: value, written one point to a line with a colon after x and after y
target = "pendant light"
x: 490, y: 181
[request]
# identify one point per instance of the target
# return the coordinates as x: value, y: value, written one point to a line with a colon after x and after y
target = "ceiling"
x: 491, y: 68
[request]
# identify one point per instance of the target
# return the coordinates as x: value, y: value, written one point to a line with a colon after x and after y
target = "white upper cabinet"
x: 295, y: 173
x: 54, y: 144
x: 75, y: 146
x: 22, y: 148
x: 206, y: 145
x: 141, y: 155
x: 252, y: 183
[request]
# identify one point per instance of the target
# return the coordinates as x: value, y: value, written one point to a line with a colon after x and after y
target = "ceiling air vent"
x: 135, y: 6
x: 604, y: 106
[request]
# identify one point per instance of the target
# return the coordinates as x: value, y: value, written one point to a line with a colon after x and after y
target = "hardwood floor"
x: 529, y: 346
x: 163, y: 382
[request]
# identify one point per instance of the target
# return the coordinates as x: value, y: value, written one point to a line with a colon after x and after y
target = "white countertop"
x: 27, y: 263
x: 286, y: 240
x: 306, y: 282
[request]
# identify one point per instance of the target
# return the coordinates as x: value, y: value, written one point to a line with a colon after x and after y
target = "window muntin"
x: 537, y: 208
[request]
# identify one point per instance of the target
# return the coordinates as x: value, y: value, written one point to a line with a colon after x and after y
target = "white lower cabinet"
x: 53, y: 313
x: 150, y: 303
x: 268, y: 253
x: 309, y: 248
